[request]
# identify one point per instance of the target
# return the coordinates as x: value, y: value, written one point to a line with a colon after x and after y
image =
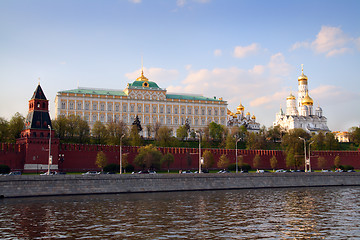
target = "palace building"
x: 299, y: 113
x: 145, y: 99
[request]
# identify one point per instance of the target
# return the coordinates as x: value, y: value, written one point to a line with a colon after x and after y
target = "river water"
x: 292, y: 213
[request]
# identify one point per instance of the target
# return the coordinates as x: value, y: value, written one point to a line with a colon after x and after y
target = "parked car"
x: 15, y: 173
x: 351, y: 170
x: 91, y: 173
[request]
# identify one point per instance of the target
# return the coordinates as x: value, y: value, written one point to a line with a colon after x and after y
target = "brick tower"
x: 36, y: 135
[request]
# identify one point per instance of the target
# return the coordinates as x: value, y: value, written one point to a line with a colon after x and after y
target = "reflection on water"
x: 317, y: 213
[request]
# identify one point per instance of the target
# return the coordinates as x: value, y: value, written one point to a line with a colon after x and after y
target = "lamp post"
x: 304, y: 151
x: 198, y: 133
x: 122, y: 136
x: 50, y: 160
x: 236, y: 154
x: 309, y: 156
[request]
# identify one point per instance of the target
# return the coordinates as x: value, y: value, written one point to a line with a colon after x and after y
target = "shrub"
x: 245, y: 166
x: 112, y: 167
x: 4, y: 169
x: 346, y: 167
x: 129, y: 168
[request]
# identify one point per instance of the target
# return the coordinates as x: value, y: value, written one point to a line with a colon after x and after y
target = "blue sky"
x: 248, y: 51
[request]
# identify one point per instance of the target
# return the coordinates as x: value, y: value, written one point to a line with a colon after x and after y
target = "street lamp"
x: 309, y: 156
x: 50, y: 160
x: 198, y: 133
x: 236, y: 155
x: 304, y: 151
x: 122, y: 136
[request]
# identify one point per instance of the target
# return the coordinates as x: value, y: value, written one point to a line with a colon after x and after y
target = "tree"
x: 137, y: 123
x: 230, y: 142
x: 319, y: 141
x: 294, y: 147
x: 331, y: 143
x: 208, y: 159
x: 274, y: 134
x: 135, y: 139
x: 99, y: 132
x: 255, y: 141
x: 164, y: 137
x: 114, y: 131
x: 337, y: 161
x: 167, y: 159
x: 148, y: 130
x: 182, y: 132
x: 273, y: 162
x: 355, y: 135
x: 256, y: 161
x: 124, y: 160
x: 321, y: 162
x: 83, y: 130
x: 216, y: 131
x: 16, y: 125
x: 60, y: 127
x: 223, y: 162
x: 148, y: 156
x: 101, y: 160
x: 4, y: 130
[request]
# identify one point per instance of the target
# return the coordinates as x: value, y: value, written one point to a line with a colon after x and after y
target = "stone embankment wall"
x: 36, y: 185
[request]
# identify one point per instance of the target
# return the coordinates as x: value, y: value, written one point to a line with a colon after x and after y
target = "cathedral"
x: 240, y: 119
x: 299, y: 113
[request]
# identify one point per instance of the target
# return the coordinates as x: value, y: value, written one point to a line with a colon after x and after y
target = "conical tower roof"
x: 38, y: 93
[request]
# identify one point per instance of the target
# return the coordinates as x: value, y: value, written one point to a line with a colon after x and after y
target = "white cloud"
x: 180, y: 3
x: 330, y: 41
x: 278, y: 66
x: 217, y: 52
x: 241, y: 52
x: 158, y: 75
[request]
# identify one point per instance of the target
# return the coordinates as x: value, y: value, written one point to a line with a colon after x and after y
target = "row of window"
x: 146, y: 120
x: 139, y: 108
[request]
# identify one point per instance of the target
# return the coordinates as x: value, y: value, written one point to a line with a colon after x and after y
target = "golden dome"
x: 253, y: 117
x: 142, y: 77
x: 248, y: 113
x: 307, y: 100
x: 240, y: 107
x: 291, y: 97
x: 302, y: 77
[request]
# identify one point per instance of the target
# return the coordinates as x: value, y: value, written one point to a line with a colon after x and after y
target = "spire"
x: 142, y: 77
x: 38, y: 93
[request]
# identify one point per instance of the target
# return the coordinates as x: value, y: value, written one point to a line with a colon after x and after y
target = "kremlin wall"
x: 81, y: 158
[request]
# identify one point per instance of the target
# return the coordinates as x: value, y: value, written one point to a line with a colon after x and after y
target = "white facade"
x: 299, y: 112
x: 144, y: 99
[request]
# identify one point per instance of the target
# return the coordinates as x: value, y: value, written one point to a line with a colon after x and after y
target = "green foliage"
x: 99, y: 133
x: 137, y: 123
x: 101, y: 160
x: 71, y: 129
x: 4, y: 130
x: 244, y: 167
x: 230, y: 142
x: 294, y: 147
x: 148, y: 157
x: 129, y: 168
x: 114, y: 131
x: 346, y: 167
x: 182, y: 132
x: 355, y: 135
x: 4, y: 169
x: 208, y: 159
x: 167, y: 159
x: 112, y: 167
x: 255, y: 141
x: 135, y: 139
x: 216, y: 131
x: 164, y: 137
x: 16, y: 125
x: 223, y: 162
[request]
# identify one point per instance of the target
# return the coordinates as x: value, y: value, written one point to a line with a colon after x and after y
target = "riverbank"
x: 57, y: 185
